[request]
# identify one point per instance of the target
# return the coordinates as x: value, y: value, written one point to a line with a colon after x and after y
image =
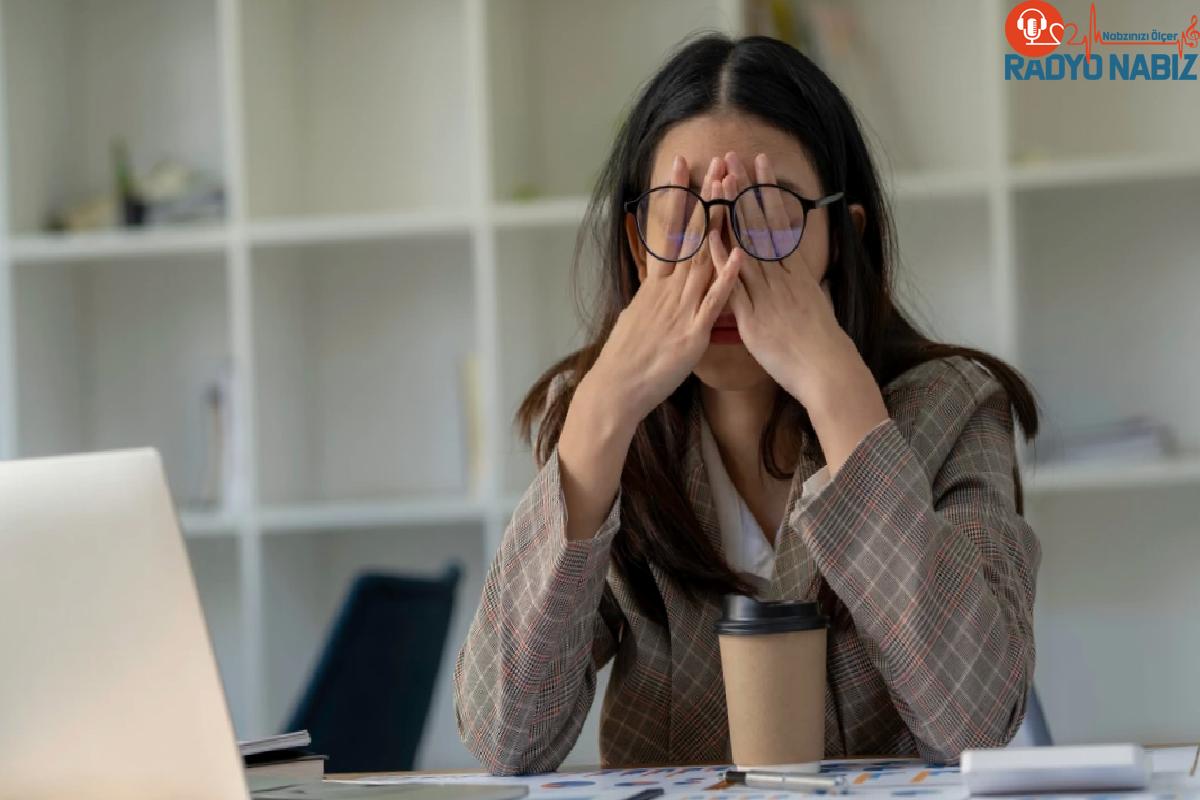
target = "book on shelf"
x: 471, y: 414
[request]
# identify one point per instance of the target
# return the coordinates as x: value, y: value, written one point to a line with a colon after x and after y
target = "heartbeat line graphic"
x: 1188, y: 37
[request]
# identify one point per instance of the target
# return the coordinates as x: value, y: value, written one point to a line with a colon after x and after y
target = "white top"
x: 746, y: 548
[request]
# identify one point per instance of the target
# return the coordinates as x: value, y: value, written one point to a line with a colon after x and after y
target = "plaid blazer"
x: 915, y: 549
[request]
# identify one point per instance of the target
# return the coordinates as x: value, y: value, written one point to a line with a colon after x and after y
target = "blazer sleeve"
x: 938, y: 576
x: 525, y: 677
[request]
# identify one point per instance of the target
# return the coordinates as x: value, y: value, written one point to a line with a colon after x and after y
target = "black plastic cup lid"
x: 747, y: 616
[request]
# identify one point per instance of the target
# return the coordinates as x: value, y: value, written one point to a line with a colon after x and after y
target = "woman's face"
x: 727, y: 364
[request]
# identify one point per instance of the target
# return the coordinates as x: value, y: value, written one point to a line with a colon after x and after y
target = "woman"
x: 753, y: 414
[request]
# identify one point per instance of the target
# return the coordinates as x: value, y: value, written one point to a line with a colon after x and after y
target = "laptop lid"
x: 108, y: 683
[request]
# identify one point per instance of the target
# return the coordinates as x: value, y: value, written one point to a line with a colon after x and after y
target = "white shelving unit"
x: 405, y: 180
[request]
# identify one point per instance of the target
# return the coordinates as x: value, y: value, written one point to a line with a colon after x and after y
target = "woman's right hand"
x: 661, y: 335
x: 652, y: 348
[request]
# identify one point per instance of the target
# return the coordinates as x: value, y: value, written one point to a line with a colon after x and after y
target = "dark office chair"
x: 369, y: 695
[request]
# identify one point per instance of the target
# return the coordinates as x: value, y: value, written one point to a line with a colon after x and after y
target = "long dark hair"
x: 775, y: 83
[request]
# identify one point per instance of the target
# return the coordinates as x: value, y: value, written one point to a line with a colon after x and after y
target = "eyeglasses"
x: 767, y: 220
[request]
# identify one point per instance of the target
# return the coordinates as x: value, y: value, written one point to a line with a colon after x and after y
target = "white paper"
x: 1173, y: 759
x: 883, y: 779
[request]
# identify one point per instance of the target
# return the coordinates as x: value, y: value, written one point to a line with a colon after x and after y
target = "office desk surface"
x: 590, y: 768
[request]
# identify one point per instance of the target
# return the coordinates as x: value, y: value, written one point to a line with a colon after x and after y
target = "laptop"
x: 108, y: 684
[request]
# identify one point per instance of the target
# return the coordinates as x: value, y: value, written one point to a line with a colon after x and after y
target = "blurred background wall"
x: 316, y: 250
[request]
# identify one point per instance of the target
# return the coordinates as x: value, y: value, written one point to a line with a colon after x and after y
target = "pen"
x: 765, y: 779
x: 647, y: 794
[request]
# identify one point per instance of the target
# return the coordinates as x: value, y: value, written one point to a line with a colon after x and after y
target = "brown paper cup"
x: 773, y: 661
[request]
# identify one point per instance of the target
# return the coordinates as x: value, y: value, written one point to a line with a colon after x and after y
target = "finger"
x: 749, y: 218
x: 698, y: 271
x: 719, y: 293
x: 716, y: 246
x: 666, y: 223
x: 780, y: 229
x: 800, y: 287
x: 800, y: 275
x: 719, y: 215
x: 694, y: 228
x: 720, y: 218
x: 739, y: 299
x: 696, y: 231
x: 754, y: 274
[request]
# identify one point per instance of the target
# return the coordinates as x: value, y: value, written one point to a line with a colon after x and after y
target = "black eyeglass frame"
x: 806, y: 203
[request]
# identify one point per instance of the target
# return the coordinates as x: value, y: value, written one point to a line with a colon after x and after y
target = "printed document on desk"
x: 883, y: 779
x: 347, y: 790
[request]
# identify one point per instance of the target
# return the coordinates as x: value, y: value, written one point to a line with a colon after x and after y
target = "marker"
x: 791, y: 781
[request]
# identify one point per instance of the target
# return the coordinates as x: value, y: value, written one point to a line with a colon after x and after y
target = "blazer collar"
x: 795, y: 576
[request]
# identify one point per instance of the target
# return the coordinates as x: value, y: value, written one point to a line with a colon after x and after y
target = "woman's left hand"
x: 786, y: 319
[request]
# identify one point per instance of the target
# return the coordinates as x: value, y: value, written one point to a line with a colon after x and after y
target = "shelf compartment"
x: 359, y: 354
x: 1051, y: 120
x: 561, y: 75
x: 119, y: 353
x: 1107, y: 298
x: 305, y: 580
x: 215, y: 565
x: 539, y: 323
x: 340, y: 118
x: 945, y: 276
x: 1116, y: 600
x: 919, y: 115
x: 80, y: 74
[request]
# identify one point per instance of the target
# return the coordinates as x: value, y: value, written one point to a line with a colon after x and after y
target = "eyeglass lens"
x: 671, y: 222
x: 768, y: 223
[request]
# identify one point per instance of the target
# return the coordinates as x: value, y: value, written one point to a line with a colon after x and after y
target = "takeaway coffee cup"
x: 773, y: 661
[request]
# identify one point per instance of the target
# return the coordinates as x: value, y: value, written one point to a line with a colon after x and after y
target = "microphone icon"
x: 1033, y: 25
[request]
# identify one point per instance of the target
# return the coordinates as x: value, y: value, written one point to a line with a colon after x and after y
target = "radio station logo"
x: 1047, y: 47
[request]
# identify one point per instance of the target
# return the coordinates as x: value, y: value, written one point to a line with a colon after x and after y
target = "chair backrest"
x: 369, y: 695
